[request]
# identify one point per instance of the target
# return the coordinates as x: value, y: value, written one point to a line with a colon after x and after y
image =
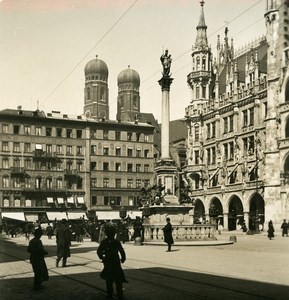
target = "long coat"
x: 63, y: 238
x: 108, y: 251
x: 270, y: 230
x: 37, y: 253
x: 168, y: 236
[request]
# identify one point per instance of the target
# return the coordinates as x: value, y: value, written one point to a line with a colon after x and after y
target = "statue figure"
x: 166, y: 62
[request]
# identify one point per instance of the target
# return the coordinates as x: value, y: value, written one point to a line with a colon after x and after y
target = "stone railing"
x: 181, y: 233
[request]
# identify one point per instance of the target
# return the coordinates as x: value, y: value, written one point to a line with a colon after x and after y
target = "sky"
x: 45, y: 45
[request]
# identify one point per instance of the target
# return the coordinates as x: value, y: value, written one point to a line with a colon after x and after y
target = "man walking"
x: 168, y: 237
x: 284, y: 228
x: 63, y: 243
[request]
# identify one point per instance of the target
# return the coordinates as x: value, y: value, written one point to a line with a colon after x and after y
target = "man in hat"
x: 63, y: 241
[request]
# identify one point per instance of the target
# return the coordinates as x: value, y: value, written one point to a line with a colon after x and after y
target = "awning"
x: 50, y: 200
x: 70, y: 200
x: 251, y: 168
x: 134, y: 214
x: 56, y: 215
x: 76, y: 215
x: 14, y: 215
x: 60, y: 200
x: 233, y: 170
x: 80, y: 199
x: 107, y: 215
x: 215, y: 173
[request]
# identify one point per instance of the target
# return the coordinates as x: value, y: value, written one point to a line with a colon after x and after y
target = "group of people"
x: 110, y: 251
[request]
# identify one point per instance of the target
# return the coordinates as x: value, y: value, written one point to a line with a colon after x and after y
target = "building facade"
x: 238, y: 120
x: 55, y: 165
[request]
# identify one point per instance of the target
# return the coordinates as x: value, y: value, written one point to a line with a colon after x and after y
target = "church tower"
x: 96, y: 104
x: 128, y: 100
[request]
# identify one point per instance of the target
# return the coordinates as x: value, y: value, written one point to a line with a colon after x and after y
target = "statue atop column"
x: 166, y: 62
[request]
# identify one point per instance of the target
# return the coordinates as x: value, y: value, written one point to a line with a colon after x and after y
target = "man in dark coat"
x: 270, y: 230
x: 112, y: 272
x: 168, y: 237
x: 37, y: 253
x: 284, y: 228
x: 63, y: 241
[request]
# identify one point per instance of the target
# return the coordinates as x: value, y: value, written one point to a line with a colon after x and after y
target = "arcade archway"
x: 199, y: 212
x: 219, y: 210
x: 236, y: 216
x: 257, y: 212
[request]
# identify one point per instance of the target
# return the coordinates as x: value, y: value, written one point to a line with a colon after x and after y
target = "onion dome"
x: 128, y: 76
x: 96, y: 66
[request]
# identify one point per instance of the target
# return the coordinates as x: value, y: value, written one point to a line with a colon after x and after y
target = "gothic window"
x: 203, y: 91
x: 102, y: 93
x: 198, y: 64
x: 121, y: 102
x: 204, y: 63
x: 135, y: 102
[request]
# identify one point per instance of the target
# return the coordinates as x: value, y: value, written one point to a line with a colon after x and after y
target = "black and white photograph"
x: 144, y: 149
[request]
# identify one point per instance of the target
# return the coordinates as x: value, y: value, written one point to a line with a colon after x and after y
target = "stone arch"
x: 216, y: 202
x: 286, y: 169
x: 199, y: 211
x: 256, y: 212
x: 235, y: 212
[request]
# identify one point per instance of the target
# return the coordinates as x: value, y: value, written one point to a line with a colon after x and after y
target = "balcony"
x: 70, y: 173
x: 18, y: 172
x: 40, y: 155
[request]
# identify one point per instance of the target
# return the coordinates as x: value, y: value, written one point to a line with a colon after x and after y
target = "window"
x: 146, y: 182
x: 117, y: 167
x: 117, y: 151
x: 135, y: 102
x: 245, y: 118
x: 129, y: 136
x: 16, y: 147
x: 38, y: 130
x: 27, y: 164
x: 92, y: 166
x: 204, y: 91
x: 105, y: 182
x: 79, y: 166
x: 38, y: 182
x: 138, y: 183
x: 118, y: 183
x: 5, y: 163
x: 226, y: 125
x: 28, y: 182
x: 138, y: 153
x: 94, y: 200
x: 146, y: 153
x: 79, y: 183
x: 69, y: 133
x: 69, y: 165
x: 213, y: 155
x: 146, y: 138
x: 69, y: 150
x: 93, y: 149
x: 79, y: 150
x: 138, y: 168
x: 129, y: 183
x: 59, y: 183
x: 213, y: 129
x: 117, y: 135
x: 226, y: 155
x: 231, y: 145
x: 16, y: 129
x: 79, y: 133
x: 48, y: 149
x: 48, y: 131
x: 197, y: 157
x: 16, y: 182
x: 251, y: 113
x: 197, y: 133
x: 59, y: 166
x: 105, y: 151
x: 88, y: 93
x: 59, y: 149
x: 93, y: 182
x: 105, y: 134
x: 208, y: 131
x: 105, y: 166
x: 5, y: 146
x: 59, y: 132
x: 49, y: 183
x: 5, y: 181
x: 27, y: 147
x: 209, y: 156
x: 129, y: 152
x: 16, y: 163
x: 231, y: 121
x: 5, y: 128
x: 27, y: 130
x: 146, y: 168
x: 197, y: 92
x: 138, y: 135
x: 129, y: 167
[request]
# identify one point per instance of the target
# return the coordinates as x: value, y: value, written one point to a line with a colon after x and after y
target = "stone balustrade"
x: 181, y: 233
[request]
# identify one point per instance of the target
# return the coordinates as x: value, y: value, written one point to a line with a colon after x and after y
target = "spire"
x: 201, y: 40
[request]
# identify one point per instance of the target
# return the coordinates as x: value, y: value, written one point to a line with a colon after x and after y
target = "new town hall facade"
x: 238, y: 125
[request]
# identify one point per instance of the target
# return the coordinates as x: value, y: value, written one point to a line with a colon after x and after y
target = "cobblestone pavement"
x: 252, y: 268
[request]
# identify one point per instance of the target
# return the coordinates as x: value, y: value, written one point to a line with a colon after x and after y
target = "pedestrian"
x: 284, y: 228
x: 168, y: 237
x: 49, y: 231
x: 101, y: 235
x: 220, y: 228
x: 37, y: 254
x: 270, y: 230
x: 108, y: 251
x: 63, y: 241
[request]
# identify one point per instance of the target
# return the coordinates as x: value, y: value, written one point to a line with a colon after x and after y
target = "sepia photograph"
x: 144, y: 149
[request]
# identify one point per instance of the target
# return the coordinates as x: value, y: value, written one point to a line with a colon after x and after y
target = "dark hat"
x: 38, y: 231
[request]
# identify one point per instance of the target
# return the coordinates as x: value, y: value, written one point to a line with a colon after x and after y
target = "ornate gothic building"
x: 238, y: 125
